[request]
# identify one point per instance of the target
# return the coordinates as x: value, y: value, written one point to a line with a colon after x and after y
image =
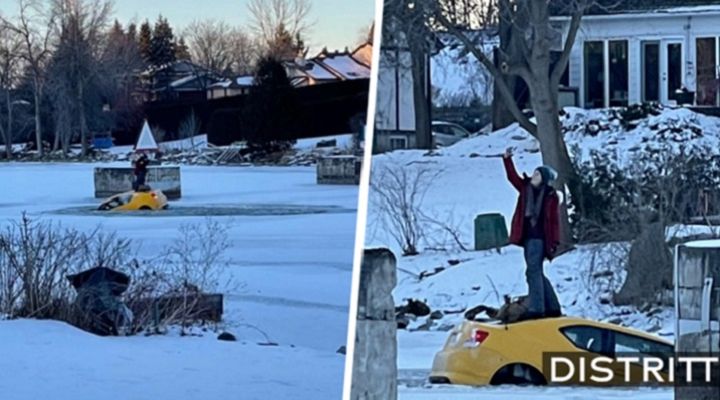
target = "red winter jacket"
x: 551, y: 224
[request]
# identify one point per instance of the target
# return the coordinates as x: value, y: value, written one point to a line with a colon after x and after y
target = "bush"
x: 37, y: 256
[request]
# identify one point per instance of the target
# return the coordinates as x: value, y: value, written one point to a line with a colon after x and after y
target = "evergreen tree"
x: 283, y: 46
x: 162, y: 45
x: 132, y: 32
x: 144, y: 42
x: 181, y: 50
x: 116, y: 34
x: 271, y: 107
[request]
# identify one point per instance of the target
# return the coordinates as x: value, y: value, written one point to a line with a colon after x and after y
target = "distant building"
x: 177, y: 80
x: 326, y: 67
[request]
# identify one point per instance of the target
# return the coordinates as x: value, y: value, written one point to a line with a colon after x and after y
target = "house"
x: 326, y: 67
x: 636, y: 51
x: 182, y: 80
x: 230, y: 87
x: 395, y: 108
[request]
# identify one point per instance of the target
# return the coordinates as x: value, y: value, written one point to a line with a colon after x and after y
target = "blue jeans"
x: 139, y: 180
x: 542, y: 299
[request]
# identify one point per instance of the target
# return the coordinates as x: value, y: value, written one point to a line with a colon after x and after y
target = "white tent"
x: 146, y: 141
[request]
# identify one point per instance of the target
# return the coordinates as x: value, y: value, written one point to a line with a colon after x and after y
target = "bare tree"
x: 531, y: 40
x: 9, y: 72
x: 397, y: 192
x: 269, y: 16
x: 34, y: 24
x: 219, y: 47
x: 527, y: 38
x: 121, y: 62
x: 82, y: 27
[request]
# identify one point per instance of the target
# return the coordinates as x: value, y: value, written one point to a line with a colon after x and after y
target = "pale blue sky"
x: 338, y: 23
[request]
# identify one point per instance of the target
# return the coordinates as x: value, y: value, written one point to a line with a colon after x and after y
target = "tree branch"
x: 507, y: 95
x: 557, y: 72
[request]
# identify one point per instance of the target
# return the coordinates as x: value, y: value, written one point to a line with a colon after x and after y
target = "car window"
x: 459, y: 132
x: 625, y: 343
x: 440, y: 129
x: 589, y: 338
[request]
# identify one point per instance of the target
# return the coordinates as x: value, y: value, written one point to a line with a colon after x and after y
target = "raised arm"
x: 511, y: 173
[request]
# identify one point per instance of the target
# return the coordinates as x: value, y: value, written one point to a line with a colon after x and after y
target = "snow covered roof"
x: 146, y: 141
x: 611, y: 7
x: 325, y: 67
x: 240, y: 81
x: 245, y: 80
x: 314, y: 70
x: 346, y: 66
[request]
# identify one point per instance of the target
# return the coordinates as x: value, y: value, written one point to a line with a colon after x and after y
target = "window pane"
x: 554, y: 57
x: 618, y: 50
x: 674, y: 68
x: 594, y: 76
x: 588, y: 338
x: 706, y: 65
x: 651, y: 71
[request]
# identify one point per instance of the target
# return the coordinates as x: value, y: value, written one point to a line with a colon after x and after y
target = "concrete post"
x: 375, y: 359
x: 697, y: 307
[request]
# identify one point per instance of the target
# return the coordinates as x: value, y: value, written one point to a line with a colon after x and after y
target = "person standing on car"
x: 140, y: 171
x: 536, y: 228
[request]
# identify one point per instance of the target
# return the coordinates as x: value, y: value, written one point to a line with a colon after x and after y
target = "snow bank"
x: 48, y: 359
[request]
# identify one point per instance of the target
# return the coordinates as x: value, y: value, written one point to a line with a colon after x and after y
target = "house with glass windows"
x: 636, y: 51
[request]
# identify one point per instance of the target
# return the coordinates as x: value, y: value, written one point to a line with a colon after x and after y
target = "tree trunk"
x: 81, y: 118
x: 37, y: 93
x: 56, y: 139
x: 421, y: 101
x: 512, y: 47
x: 8, y: 130
x: 553, y: 148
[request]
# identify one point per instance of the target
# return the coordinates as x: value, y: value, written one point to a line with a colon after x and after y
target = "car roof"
x: 562, y: 322
x: 446, y: 123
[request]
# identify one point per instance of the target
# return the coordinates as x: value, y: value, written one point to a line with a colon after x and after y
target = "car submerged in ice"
x: 144, y: 199
x: 488, y: 353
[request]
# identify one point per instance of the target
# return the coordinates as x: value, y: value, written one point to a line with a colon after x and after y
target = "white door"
x: 672, y: 69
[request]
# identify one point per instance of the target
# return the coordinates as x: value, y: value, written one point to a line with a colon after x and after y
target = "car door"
x: 613, y: 344
x: 629, y: 345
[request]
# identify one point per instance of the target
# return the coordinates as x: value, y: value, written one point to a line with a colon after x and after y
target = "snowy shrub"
x: 37, y: 256
x: 397, y: 194
x: 665, y: 185
x: 194, y: 264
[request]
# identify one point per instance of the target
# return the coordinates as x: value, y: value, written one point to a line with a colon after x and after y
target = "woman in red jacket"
x: 535, y: 227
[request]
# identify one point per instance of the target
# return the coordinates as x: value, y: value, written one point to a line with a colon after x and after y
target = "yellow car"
x: 478, y: 353
x: 140, y: 200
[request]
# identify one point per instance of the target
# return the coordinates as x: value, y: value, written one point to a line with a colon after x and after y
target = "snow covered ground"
x: 295, y: 272
x: 472, y: 181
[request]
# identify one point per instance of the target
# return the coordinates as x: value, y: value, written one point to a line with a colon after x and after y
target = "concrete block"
x: 110, y: 181
x: 339, y: 170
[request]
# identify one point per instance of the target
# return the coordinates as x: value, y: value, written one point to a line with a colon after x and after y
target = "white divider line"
x: 363, y: 200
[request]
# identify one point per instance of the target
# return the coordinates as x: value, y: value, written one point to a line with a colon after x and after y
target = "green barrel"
x: 490, y: 231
